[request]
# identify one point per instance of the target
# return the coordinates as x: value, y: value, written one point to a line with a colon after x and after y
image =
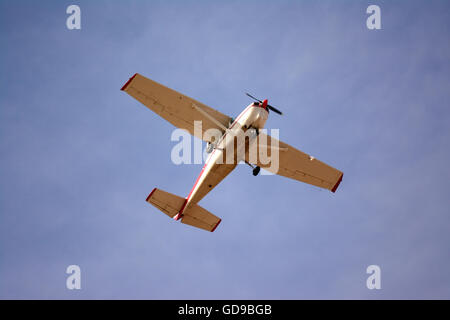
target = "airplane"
x: 184, y: 112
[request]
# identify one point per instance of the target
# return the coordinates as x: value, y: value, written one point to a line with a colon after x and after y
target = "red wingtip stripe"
x: 216, y: 225
x: 128, y: 82
x: 150, y: 195
x: 337, y: 184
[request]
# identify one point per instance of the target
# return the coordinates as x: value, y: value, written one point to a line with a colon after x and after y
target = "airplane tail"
x: 193, y: 215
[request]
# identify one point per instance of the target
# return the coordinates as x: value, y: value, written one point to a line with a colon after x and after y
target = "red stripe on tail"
x: 216, y: 225
x: 150, y: 195
x: 337, y: 184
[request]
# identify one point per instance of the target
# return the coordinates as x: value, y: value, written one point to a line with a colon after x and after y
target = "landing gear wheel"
x: 209, y: 147
x: 256, y: 171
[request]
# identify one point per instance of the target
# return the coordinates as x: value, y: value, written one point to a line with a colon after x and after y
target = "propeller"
x: 268, y: 106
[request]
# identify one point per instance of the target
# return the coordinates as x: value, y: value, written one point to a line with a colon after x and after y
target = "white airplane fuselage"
x: 253, y: 118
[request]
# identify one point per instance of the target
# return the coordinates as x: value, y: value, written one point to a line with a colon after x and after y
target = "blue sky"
x: 79, y: 156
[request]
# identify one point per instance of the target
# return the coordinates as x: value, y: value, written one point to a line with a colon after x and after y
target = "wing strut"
x: 272, y: 147
x: 206, y: 114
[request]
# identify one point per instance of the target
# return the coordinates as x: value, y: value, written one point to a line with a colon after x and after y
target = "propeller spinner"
x: 265, y: 103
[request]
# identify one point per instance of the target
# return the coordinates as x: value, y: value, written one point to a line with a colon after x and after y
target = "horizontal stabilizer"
x: 167, y: 202
x: 193, y: 215
x: 199, y: 217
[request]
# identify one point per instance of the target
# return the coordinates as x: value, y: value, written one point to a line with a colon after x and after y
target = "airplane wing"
x: 295, y: 164
x: 178, y: 109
